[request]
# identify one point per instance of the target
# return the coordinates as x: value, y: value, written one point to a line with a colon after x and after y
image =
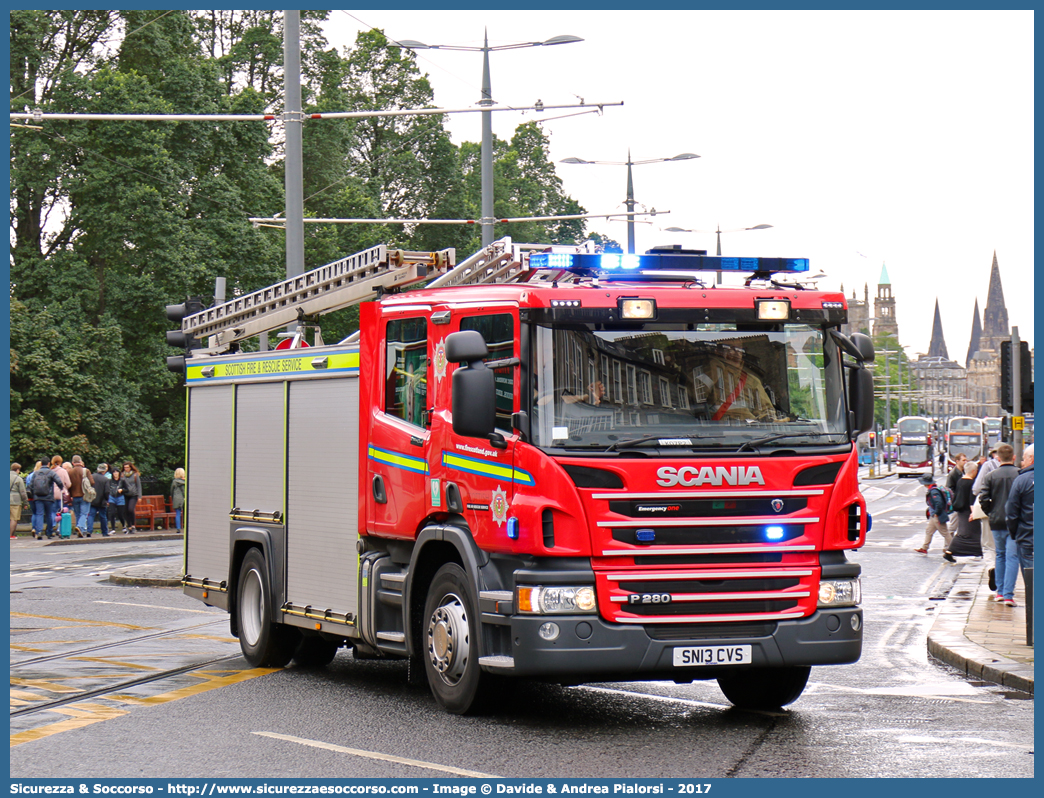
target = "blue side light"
x: 645, y: 535
x: 869, y: 523
x: 774, y: 533
x: 512, y: 528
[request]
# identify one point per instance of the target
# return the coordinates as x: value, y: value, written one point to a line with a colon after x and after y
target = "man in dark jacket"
x: 44, y: 481
x: 951, y: 485
x: 993, y: 494
x: 99, y: 507
x: 1019, y: 511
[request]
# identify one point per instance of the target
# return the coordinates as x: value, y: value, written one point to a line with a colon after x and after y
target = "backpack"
x: 42, y: 482
x: 89, y: 492
x: 947, y: 497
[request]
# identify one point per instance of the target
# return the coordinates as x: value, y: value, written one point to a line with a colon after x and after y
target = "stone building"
x: 885, y: 322
x: 943, y: 381
x: 858, y: 313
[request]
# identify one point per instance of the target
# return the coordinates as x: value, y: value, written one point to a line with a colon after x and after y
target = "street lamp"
x: 719, y: 231
x: 685, y: 156
x: 487, y: 116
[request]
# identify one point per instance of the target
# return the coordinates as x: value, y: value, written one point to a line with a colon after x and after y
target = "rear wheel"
x: 450, y: 643
x: 264, y: 644
x: 315, y: 652
x: 764, y: 688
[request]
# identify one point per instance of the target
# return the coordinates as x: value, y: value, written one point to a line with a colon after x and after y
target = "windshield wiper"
x: 692, y: 441
x: 780, y: 436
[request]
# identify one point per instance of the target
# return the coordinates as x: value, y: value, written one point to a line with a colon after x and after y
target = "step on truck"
x: 548, y: 462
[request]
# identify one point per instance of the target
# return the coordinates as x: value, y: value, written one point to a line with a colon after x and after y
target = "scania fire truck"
x: 548, y: 462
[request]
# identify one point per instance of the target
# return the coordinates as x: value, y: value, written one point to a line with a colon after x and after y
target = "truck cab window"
x: 499, y: 331
x: 406, y: 370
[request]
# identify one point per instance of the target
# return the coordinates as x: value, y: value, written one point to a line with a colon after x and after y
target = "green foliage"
x: 113, y: 220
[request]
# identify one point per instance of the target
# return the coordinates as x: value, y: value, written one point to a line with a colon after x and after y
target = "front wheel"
x: 264, y: 644
x: 764, y: 688
x: 450, y: 643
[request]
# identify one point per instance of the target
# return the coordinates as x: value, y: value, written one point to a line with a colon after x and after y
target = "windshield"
x: 970, y: 445
x: 689, y: 385
x: 914, y: 426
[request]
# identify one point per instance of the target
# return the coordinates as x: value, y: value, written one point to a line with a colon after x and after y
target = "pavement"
x: 983, y: 638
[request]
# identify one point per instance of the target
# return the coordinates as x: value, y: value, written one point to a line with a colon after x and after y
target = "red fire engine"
x: 563, y: 465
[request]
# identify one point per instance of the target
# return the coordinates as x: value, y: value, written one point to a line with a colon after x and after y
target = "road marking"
x: 80, y: 620
x: 85, y: 714
x: 82, y: 715
x: 381, y: 757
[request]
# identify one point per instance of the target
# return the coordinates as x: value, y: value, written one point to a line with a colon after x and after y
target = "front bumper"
x: 590, y: 649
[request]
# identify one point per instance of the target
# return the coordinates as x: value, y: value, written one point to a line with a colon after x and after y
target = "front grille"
x: 703, y: 535
x: 707, y: 559
x: 707, y: 508
x: 710, y: 608
x: 709, y: 594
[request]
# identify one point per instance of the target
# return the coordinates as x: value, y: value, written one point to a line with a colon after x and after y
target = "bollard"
x: 1027, y: 577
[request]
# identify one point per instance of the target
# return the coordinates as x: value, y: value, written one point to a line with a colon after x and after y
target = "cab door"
x: 397, y: 451
x: 474, y: 474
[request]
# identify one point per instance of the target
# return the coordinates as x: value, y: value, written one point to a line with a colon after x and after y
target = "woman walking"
x: 131, y: 491
x: 968, y: 540
x: 177, y: 496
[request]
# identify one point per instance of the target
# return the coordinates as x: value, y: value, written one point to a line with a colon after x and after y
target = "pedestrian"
x: 951, y: 485
x: 45, y: 484
x: 19, y: 498
x: 132, y: 492
x: 80, y: 505
x: 177, y: 496
x: 936, y: 515
x: 98, y: 508
x: 1019, y: 513
x: 993, y: 496
x: 29, y: 492
x: 985, y: 469
x: 968, y: 540
x: 60, y: 495
x: 117, y: 502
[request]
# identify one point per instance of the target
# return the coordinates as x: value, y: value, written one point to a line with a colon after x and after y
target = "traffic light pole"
x: 1016, y: 389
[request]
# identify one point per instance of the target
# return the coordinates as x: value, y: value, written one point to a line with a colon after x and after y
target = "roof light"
x: 633, y: 308
x: 773, y: 309
x: 610, y: 264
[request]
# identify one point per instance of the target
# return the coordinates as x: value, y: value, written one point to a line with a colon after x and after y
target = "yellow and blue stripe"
x: 286, y: 364
x: 398, y: 460
x: 486, y: 468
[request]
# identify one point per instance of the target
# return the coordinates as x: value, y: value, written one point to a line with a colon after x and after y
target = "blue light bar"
x: 616, y: 263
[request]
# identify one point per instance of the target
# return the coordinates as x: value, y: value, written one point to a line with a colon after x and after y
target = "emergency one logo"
x: 440, y: 360
x: 499, y: 505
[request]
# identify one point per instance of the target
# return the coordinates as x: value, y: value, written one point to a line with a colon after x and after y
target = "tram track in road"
x: 119, y: 686
x: 113, y: 644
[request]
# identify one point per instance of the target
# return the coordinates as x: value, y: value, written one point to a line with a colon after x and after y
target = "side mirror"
x: 474, y: 391
x: 859, y: 346
x: 861, y: 396
x: 865, y: 346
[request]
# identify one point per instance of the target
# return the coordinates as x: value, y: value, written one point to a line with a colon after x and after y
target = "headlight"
x: 542, y: 600
x: 840, y: 593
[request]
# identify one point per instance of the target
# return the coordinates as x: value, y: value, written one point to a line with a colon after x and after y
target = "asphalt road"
x: 84, y: 708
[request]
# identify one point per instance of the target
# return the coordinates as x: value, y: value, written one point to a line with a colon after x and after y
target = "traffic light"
x: 1025, y: 376
x: 871, y: 440
x: 176, y: 313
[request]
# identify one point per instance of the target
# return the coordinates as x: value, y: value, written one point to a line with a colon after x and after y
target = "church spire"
x: 995, y: 318
x: 976, y: 335
x: 937, y: 348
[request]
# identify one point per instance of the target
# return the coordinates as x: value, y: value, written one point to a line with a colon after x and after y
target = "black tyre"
x: 450, y: 643
x: 315, y: 652
x: 764, y: 688
x: 264, y: 644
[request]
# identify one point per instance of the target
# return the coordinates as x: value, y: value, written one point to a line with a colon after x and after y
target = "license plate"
x: 713, y: 655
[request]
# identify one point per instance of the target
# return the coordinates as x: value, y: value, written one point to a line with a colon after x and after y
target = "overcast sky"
x: 896, y: 138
